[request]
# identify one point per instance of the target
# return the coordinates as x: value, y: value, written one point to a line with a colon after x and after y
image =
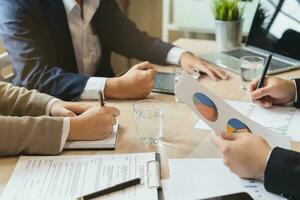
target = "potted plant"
x: 229, y: 23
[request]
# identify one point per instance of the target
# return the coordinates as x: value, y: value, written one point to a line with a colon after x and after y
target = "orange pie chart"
x: 236, y: 126
x: 205, y: 106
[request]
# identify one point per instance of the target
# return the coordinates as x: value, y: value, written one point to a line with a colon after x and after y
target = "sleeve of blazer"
x: 297, y: 104
x: 30, y: 135
x: 125, y: 38
x: 17, y: 101
x: 32, y: 65
x: 282, y: 174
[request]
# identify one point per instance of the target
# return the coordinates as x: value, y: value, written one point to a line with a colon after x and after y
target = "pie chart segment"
x: 236, y: 126
x: 205, y: 106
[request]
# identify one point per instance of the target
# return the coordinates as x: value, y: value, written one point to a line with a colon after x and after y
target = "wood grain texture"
x: 180, y: 140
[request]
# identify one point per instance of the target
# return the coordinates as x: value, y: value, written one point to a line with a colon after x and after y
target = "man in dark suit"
x: 63, y: 48
x: 250, y: 156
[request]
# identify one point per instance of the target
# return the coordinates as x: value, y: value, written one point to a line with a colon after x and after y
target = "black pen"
x: 263, y: 75
x: 100, y: 98
x: 112, y: 189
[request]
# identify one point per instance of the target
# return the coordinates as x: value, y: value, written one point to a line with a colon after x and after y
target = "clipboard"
x: 89, y: 169
x: 153, y: 173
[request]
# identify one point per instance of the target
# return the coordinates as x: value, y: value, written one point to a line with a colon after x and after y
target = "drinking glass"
x: 251, y: 68
x: 148, y: 121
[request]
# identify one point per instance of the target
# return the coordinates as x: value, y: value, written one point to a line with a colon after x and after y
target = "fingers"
x: 150, y: 73
x: 252, y: 86
x: 144, y: 66
x: 260, y: 96
x: 214, y: 73
x: 66, y: 113
x: 219, y: 141
x: 265, y: 102
x: 78, y: 108
x: 148, y: 70
x: 115, y: 121
x: 262, y: 92
x: 219, y: 73
x: 210, y: 73
x: 232, y: 137
x: 111, y: 110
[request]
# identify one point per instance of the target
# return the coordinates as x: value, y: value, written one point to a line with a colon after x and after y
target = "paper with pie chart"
x: 219, y: 115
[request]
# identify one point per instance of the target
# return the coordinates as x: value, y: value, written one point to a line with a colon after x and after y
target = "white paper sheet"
x: 280, y: 119
x: 192, y: 179
x: 69, y: 177
x: 187, y: 87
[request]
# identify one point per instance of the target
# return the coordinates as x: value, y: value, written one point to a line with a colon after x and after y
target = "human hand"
x: 68, y: 109
x: 245, y: 154
x: 275, y: 91
x: 189, y: 62
x: 94, y: 124
x: 135, y: 84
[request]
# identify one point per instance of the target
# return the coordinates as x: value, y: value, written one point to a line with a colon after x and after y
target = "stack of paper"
x: 70, y: 177
x: 220, y: 116
x: 192, y: 179
x: 284, y: 119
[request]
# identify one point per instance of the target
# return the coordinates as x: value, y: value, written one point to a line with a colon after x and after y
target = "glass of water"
x: 251, y: 68
x: 148, y: 121
x: 177, y: 73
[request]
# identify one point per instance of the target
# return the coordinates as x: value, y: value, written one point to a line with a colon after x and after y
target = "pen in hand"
x: 100, y: 98
x: 264, y: 73
x: 261, y: 82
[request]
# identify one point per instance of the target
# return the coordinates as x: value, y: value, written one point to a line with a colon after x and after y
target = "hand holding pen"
x: 101, y: 98
x: 268, y: 91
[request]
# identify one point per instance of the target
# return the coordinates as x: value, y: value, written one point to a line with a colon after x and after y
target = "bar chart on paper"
x: 281, y: 119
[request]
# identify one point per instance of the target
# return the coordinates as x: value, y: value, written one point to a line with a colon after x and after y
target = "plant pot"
x: 229, y: 34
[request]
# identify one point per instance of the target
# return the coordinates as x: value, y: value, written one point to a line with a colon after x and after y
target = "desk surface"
x: 180, y: 140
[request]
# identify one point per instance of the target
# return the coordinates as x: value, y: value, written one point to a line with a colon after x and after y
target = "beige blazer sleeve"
x: 23, y: 129
x: 17, y: 101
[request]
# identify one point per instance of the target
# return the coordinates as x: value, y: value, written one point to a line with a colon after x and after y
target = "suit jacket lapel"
x: 58, y: 25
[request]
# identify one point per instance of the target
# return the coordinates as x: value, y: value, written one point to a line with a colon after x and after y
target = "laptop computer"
x: 275, y: 30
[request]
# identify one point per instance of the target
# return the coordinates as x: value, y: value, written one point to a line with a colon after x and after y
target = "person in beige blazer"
x: 35, y: 123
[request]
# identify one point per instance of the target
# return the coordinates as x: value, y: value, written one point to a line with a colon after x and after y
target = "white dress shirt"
x: 87, y: 46
x: 66, y: 123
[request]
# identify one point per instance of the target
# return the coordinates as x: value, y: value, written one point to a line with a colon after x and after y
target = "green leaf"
x: 227, y: 10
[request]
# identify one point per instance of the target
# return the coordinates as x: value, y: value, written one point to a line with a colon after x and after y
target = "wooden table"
x: 180, y: 139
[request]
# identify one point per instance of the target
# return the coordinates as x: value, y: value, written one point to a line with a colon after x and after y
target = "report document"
x: 70, y: 177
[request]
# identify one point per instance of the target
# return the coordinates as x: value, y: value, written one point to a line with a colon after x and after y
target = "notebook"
x: 70, y: 177
x: 108, y: 143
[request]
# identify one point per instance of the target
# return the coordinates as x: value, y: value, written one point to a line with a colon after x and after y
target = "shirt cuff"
x: 65, y: 132
x: 92, y: 87
x: 296, y: 93
x: 49, y: 105
x: 174, y: 55
x: 269, y: 155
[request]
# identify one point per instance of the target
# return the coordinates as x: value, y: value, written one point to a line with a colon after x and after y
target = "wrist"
x: 75, y: 128
x: 293, y: 90
x: 265, y: 161
x: 51, y: 106
x: 184, y: 55
x: 113, y: 88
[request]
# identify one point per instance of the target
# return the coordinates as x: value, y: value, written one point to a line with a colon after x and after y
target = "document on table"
x: 281, y: 119
x: 108, y: 143
x: 192, y: 179
x: 69, y: 177
x: 219, y: 115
